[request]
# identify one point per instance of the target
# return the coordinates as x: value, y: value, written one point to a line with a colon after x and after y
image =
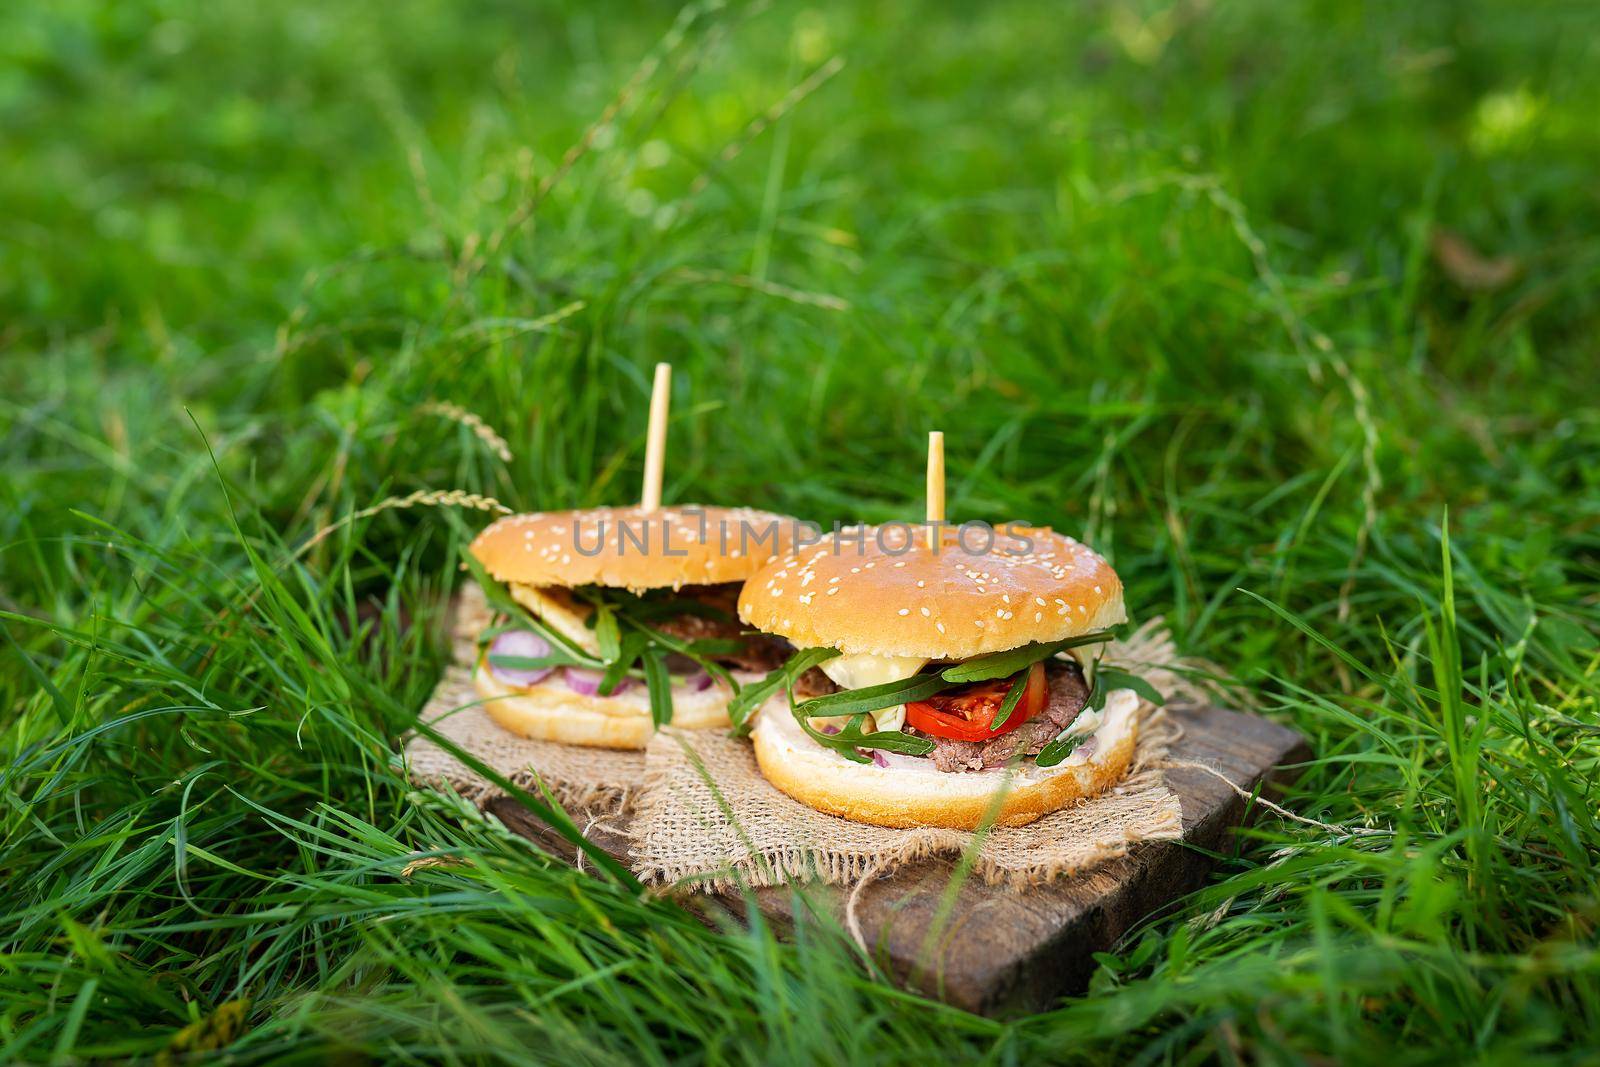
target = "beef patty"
x: 813, y: 683
x: 1068, y: 694
x: 757, y: 652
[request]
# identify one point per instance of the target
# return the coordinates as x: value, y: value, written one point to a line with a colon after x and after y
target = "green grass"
x: 1163, y: 274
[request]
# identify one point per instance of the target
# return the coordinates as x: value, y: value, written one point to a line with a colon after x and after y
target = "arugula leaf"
x: 874, y: 697
x: 1112, y: 678
x: 1059, y: 749
x: 713, y: 646
x: 531, y: 663
x: 850, y: 740
x: 660, y: 687
x: 1019, y: 685
x: 894, y: 741
x: 606, y: 632
x: 1005, y: 664
x: 622, y: 622
x: 856, y: 703
x: 752, y: 696
x: 632, y: 647
x: 1105, y: 680
x: 557, y: 639
x: 487, y: 635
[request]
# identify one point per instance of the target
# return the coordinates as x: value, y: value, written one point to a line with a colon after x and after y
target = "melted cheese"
x: 863, y: 670
x: 889, y: 718
x: 557, y: 609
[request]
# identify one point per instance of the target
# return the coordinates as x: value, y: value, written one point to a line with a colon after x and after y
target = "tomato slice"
x: 965, y: 714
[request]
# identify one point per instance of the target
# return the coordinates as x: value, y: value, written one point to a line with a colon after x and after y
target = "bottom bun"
x: 912, y: 792
x: 550, y: 711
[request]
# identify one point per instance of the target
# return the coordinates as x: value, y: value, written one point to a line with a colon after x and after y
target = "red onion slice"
x: 698, y: 682
x: 519, y: 643
x: 897, y: 759
x: 587, y: 683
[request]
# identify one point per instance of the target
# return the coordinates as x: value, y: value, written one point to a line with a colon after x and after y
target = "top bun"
x: 633, y: 549
x: 888, y: 594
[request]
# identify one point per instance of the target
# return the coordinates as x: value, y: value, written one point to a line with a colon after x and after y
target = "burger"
x: 937, y: 686
x: 611, y: 622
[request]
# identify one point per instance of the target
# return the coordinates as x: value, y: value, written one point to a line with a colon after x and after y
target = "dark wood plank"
x: 1002, y: 950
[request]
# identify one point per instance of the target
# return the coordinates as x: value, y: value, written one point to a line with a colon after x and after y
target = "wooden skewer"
x: 655, y: 445
x: 935, y: 487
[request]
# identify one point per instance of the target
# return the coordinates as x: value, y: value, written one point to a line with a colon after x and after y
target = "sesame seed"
x: 924, y: 613
x: 939, y: 626
x: 905, y: 611
x: 833, y: 591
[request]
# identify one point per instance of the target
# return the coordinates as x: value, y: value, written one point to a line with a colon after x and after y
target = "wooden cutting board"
x: 1001, y: 950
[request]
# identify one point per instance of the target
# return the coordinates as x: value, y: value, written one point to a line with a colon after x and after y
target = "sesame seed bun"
x: 912, y: 792
x: 897, y: 597
x: 551, y: 711
x: 633, y: 549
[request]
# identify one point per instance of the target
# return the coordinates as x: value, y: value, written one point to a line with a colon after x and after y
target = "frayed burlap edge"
x: 706, y: 818
x: 599, y: 781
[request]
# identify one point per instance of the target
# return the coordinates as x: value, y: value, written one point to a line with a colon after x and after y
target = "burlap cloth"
x: 596, y: 780
x: 706, y: 817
